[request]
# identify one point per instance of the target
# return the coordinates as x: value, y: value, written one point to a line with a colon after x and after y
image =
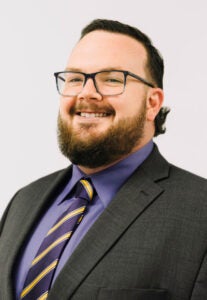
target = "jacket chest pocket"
x: 132, y: 294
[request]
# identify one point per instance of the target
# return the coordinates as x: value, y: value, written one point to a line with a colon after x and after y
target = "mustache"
x: 79, y: 107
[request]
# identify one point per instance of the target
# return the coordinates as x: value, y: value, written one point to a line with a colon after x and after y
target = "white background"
x: 36, y: 38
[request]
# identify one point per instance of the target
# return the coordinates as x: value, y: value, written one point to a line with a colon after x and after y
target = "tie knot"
x: 85, y: 189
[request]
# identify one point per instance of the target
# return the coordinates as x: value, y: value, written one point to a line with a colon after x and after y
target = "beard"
x: 105, y: 148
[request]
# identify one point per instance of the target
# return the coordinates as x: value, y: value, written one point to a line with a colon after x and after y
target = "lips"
x: 92, y: 114
x: 92, y: 110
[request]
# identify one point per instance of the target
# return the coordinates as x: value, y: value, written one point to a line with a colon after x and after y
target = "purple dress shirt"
x: 107, y: 183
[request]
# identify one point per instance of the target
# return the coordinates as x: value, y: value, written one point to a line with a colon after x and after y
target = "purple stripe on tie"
x: 54, y: 244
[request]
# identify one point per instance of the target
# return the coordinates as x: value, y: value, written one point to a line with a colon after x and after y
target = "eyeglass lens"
x: 106, y: 82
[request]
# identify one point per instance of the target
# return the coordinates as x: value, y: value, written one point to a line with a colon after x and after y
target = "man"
x: 144, y: 234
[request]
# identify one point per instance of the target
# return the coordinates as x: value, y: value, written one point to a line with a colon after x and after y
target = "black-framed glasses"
x: 107, y: 83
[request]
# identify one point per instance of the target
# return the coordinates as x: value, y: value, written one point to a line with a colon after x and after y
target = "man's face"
x: 96, y: 130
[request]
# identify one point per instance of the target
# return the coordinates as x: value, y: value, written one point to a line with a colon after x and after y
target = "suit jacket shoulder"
x: 39, y: 186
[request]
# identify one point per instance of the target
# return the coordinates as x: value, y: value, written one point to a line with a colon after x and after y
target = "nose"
x: 89, y: 91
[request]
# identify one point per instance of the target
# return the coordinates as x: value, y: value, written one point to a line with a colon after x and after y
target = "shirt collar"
x: 109, y: 181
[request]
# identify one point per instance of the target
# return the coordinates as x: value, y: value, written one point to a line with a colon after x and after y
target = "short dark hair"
x: 155, y: 63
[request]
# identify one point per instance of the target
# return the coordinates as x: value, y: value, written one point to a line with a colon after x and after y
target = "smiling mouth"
x: 92, y: 111
x: 92, y: 115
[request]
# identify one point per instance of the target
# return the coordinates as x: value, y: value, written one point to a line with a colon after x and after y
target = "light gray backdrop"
x: 36, y: 38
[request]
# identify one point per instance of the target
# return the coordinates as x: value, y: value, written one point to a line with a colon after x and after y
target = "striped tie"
x: 41, y: 272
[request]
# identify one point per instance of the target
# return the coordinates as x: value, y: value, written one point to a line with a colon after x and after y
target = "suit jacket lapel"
x: 131, y: 201
x: 30, y: 208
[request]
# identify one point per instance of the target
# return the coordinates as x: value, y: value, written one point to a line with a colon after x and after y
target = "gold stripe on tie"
x: 87, y: 187
x: 53, y: 245
x: 43, y: 296
x: 67, y: 217
x: 47, y: 270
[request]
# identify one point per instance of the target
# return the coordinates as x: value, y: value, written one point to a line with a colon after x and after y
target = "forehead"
x: 101, y: 49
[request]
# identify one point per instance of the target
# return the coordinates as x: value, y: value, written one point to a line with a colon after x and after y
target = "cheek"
x: 131, y: 102
x: 127, y: 108
x: 65, y: 105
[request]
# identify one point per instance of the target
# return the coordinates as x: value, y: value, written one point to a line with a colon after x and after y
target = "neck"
x: 89, y: 171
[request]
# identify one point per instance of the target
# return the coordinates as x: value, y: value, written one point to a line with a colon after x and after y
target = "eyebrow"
x: 73, y: 69
x: 103, y: 69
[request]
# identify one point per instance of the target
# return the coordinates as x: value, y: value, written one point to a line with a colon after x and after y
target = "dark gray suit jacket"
x: 149, y: 244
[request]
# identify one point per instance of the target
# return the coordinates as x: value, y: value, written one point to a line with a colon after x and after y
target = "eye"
x: 114, y: 80
x: 74, y: 79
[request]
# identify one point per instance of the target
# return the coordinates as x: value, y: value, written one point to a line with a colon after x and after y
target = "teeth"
x: 93, y: 115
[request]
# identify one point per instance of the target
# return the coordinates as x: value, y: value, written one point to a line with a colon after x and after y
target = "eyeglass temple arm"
x: 141, y: 79
x: 61, y: 78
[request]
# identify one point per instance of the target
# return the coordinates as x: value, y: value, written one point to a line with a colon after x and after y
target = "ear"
x: 154, y: 103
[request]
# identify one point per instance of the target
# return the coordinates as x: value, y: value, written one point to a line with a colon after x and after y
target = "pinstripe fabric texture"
x: 40, y: 275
